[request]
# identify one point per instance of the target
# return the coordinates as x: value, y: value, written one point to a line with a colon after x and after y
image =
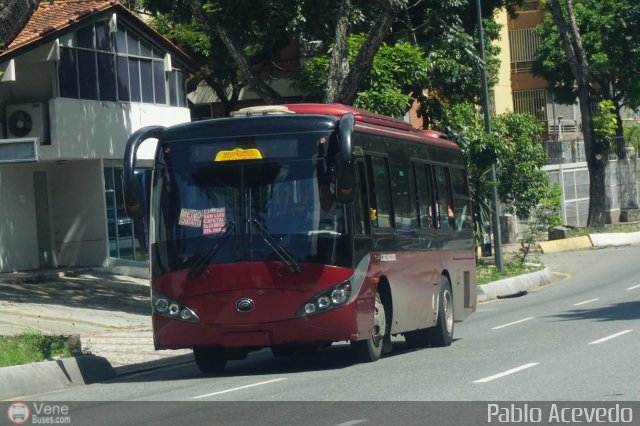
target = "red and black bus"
x: 302, y: 225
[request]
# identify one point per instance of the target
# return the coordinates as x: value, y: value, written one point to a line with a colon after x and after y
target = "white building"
x: 75, y: 83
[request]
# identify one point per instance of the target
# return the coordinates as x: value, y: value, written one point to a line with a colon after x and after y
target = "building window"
x: 532, y: 102
x: 523, y: 45
x: 96, y: 64
x: 128, y: 239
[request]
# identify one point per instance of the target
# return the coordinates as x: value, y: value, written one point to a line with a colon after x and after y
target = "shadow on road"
x: 616, y: 312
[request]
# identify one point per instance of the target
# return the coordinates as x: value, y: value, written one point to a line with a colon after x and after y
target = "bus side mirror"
x: 345, y: 161
x: 131, y: 188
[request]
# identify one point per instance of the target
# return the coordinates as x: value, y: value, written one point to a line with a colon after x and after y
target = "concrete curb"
x: 615, y: 239
x: 567, y: 244
x: 611, y: 239
x: 513, y: 285
x: 38, y: 377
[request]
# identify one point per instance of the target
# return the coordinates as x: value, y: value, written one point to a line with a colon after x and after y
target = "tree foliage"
x: 611, y: 42
x: 395, y: 72
x: 513, y: 145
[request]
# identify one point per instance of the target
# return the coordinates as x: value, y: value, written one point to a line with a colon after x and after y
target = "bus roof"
x: 367, y: 117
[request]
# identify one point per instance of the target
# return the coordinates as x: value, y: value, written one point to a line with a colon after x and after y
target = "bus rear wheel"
x: 442, y: 334
x: 370, y: 350
x: 210, y: 360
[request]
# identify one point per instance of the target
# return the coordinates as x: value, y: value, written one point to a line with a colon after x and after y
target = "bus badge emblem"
x: 244, y: 305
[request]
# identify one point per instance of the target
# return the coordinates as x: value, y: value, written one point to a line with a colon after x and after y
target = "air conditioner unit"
x: 27, y: 121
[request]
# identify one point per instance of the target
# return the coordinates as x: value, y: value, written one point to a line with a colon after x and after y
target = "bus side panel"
x: 414, y: 278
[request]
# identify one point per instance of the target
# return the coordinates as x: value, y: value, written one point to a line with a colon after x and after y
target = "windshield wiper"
x: 206, y: 256
x: 277, y: 248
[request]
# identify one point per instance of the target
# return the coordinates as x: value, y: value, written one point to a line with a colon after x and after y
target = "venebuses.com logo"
x: 18, y: 413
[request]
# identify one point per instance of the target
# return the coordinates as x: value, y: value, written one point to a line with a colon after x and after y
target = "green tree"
x: 395, y: 72
x: 605, y: 124
x: 14, y: 14
x: 514, y: 146
x: 612, y: 50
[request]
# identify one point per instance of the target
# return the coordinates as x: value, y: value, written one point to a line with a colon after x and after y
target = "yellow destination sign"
x: 238, y: 154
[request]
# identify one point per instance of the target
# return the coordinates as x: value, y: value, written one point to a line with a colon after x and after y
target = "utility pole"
x: 497, y: 240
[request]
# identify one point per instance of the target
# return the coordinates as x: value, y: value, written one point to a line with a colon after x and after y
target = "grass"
x: 487, y: 272
x: 33, y: 346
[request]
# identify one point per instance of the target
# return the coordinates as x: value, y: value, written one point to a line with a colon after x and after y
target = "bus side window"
x: 381, y: 211
x: 424, y: 196
x: 461, y: 206
x: 360, y: 205
x: 443, y: 198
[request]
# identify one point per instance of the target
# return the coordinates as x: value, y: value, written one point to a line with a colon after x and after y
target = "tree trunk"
x: 595, y: 152
x: 339, y: 68
x: 14, y: 14
x: 214, y: 24
x: 358, y: 72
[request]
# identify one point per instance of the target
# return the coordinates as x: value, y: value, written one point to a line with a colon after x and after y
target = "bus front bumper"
x: 350, y: 322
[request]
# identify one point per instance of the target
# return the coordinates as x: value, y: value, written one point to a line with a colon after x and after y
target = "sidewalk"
x: 110, y: 313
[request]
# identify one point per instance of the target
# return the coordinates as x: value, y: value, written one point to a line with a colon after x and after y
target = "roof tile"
x: 53, y: 15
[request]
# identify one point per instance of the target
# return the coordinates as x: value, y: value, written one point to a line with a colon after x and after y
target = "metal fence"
x: 572, y: 151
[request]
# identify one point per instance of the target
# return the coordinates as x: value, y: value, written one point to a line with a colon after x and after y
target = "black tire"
x: 210, y: 360
x: 442, y: 334
x: 370, y: 350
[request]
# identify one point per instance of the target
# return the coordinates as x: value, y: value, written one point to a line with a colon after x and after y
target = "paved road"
x: 576, y: 339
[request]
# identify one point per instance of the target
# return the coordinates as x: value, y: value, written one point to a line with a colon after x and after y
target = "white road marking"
x: 634, y: 287
x: 512, y: 323
x: 585, y: 302
x: 352, y: 422
x: 239, y: 388
x: 613, y: 336
x: 506, y: 373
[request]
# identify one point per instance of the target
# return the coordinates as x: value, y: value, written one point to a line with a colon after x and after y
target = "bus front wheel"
x: 370, y: 350
x: 210, y: 360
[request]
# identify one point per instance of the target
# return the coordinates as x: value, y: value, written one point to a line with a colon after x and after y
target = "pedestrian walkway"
x: 110, y: 313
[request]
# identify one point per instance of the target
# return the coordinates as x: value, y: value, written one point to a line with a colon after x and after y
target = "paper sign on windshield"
x: 189, y: 217
x: 213, y: 221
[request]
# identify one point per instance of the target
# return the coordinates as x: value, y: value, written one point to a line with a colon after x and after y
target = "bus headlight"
x: 329, y: 299
x: 165, y: 307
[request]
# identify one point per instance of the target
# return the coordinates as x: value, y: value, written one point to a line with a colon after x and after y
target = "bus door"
x: 381, y: 212
x: 362, y: 242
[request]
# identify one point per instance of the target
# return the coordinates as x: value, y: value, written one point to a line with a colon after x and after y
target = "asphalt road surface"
x: 577, y: 339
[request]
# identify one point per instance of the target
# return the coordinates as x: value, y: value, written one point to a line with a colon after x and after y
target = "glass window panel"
x: 173, y: 90
x: 132, y: 44
x: 461, y: 206
x: 84, y: 37
x: 146, y: 80
x: 381, y: 193
x: 145, y: 50
x: 87, y: 73
x: 424, y: 197
x: 108, y: 179
x: 182, y: 96
x: 123, y: 78
x: 68, y: 73
x: 444, y: 209
x: 120, y: 39
x: 159, y: 82
x: 403, y: 208
x: 107, y: 76
x: 134, y: 80
x: 361, y: 210
x: 103, y: 39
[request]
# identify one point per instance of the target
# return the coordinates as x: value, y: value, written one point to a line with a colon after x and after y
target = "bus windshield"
x: 249, y: 210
